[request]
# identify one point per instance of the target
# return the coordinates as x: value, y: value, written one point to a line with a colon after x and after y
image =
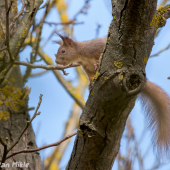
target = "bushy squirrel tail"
x: 156, y: 104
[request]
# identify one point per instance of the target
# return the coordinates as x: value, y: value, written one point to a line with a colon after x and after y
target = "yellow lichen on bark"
x: 10, y: 97
x: 18, y: 45
x: 1, y: 32
x: 121, y: 77
x: 145, y: 60
x: 163, y: 9
x: 118, y: 64
x: 4, y: 115
x: 96, y: 75
x: 158, y: 20
x: 23, y: 35
x: 14, y: 6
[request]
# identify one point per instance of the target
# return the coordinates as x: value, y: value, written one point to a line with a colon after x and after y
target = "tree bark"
x: 13, y: 105
x: 16, y: 120
x: 119, y: 79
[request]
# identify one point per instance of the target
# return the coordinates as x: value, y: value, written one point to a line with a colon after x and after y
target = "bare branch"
x: 154, y: 55
x: 69, y: 88
x: 97, y: 30
x: 64, y: 23
x: 3, y: 49
x: 167, y: 13
x: 83, y: 10
x: 28, y: 124
x: 7, y: 27
x: 35, y: 113
x: 18, y: 15
x: 38, y: 74
x: 43, y: 147
x: 4, y: 143
x: 47, y: 67
x: 160, y: 17
x: 54, y: 31
x: 46, y: 4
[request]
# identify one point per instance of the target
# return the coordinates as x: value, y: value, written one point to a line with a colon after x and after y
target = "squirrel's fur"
x: 155, y: 101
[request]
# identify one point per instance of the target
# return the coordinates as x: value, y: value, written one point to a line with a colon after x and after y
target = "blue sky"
x: 57, y: 104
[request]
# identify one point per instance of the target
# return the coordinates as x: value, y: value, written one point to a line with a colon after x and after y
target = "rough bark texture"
x: 13, y: 107
x: 118, y: 80
x: 14, y: 125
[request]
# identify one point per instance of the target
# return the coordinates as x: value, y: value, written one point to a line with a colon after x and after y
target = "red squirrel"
x: 155, y: 101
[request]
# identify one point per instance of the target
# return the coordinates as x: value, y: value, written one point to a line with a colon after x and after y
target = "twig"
x: 64, y: 23
x: 97, y: 30
x: 68, y: 87
x: 2, y: 5
x: 15, y: 161
x: 161, y: 51
x: 22, y: 10
x: 46, y: 4
x: 55, y: 31
x: 3, y: 49
x: 5, y: 150
x: 28, y: 123
x: 43, y: 147
x: 39, y: 32
x: 26, y: 139
x: 2, y: 141
x: 31, y: 108
x: 38, y: 74
x: 83, y: 10
x: 47, y: 67
x: 7, y: 27
x: 166, y: 15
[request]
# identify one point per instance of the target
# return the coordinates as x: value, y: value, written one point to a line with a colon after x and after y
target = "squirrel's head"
x: 68, y: 51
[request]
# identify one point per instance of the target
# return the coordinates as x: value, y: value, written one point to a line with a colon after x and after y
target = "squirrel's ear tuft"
x: 61, y: 36
x: 58, y: 42
x: 66, y: 40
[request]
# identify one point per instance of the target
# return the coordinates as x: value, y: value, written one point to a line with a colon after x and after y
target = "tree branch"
x: 167, y: 13
x: 28, y: 124
x: 43, y: 147
x: 18, y: 15
x: 47, y: 67
x: 160, y: 17
x: 20, y: 35
x: 129, y: 43
x: 7, y: 27
x: 3, y: 49
x: 38, y: 74
x: 154, y: 55
x: 70, y: 89
x: 63, y: 23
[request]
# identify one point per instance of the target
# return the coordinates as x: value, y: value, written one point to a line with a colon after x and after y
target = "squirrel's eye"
x: 63, y: 51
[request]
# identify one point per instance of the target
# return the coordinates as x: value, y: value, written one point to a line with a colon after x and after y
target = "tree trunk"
x: 14, y: 116
x: 119, y: 79
x: 13, y: 104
